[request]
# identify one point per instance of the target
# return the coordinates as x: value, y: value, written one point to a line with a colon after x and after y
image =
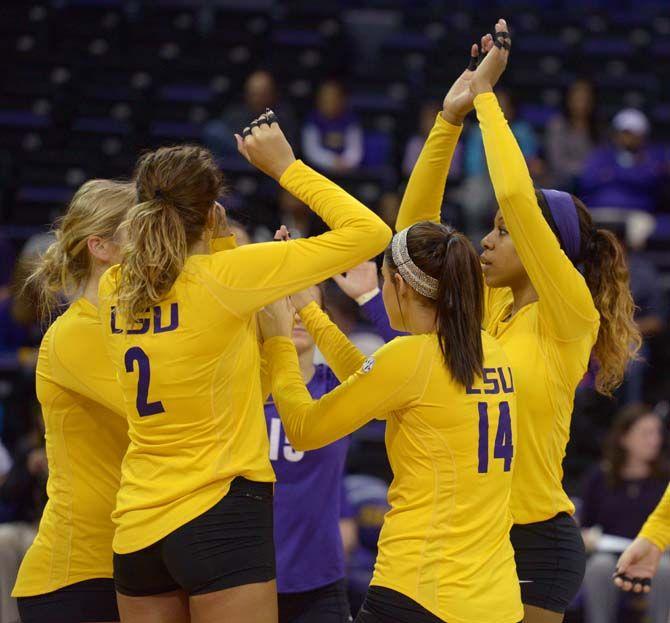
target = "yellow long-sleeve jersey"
x: 548, y: 342
x: 445, y: 541
x: 86, y: 436
x: 657, y: 527
x: 190, y: 370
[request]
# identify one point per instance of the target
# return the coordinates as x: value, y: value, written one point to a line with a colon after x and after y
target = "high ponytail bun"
x: 177, y: 188
x: 449, y: 257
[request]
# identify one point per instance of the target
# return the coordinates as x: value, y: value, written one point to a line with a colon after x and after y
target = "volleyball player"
x: 446, y: 393
x: 547, y: 315
x: 639, y: 563
x: 193, y: 518
x: 66, y: 575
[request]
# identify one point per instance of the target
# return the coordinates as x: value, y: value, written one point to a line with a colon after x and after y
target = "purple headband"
x: 564, y: 212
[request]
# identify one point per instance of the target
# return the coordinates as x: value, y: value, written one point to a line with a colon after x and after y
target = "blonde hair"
x: 97, y: 209
x: 177, y: 187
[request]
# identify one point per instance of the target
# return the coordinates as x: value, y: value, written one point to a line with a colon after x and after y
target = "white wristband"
x: 368, y: 296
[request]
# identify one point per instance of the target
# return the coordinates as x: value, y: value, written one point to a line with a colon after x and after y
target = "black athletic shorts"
x: 550, y: 561
x: 83, y: 602
x: 384, y: 605
x: 326, y: 604
x: 229, y: 545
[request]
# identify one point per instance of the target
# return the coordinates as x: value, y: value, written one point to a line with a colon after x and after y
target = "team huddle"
x: 161, y: 435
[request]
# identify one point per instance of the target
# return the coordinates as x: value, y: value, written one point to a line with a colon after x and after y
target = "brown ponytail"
x: 177, y: 188
x: 96, y: 209
x: 448, y: 256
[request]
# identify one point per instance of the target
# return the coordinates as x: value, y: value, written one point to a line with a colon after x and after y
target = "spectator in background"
x: 571, y: 135
x: 22, y: 497
x: 627, y: 172
x: 415, y: 143
x: 650, y: 316
x: 476, y: 192
x: 619, y: 495
x: 260, y: 93
x: 332, y: 138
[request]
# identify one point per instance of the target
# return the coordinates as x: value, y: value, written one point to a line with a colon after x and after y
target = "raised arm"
x: 343, y: 357
x: 565, y: 302
x: 361, y: 284
x: 393, y: 379
x: 258, y: 274
x: 422, y: 200
x: 423, y: 196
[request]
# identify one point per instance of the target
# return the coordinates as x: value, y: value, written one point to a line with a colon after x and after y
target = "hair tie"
x: 158, y: 194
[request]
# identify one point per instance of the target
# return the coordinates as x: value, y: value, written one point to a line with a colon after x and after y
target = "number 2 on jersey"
x: 143, y: 379
x: 503, y: 447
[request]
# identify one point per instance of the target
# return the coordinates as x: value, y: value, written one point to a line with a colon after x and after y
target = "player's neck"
x: 90, y: 291
x: 201, y: 247
x: 635, y: 469
x: 523, y: 293
x: 420, y: 319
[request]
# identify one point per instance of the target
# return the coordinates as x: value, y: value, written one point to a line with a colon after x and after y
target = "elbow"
x: 300, y: 441
x: 377, y: 238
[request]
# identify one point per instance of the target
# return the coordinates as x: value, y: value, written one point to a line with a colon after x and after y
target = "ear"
x: 100, y: 248
x: 400, y: 284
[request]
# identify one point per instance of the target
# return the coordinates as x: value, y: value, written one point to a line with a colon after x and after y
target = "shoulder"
x: 78, y: 329
x: 407, y: 349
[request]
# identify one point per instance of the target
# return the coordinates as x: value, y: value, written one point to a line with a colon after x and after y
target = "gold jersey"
x: 548, y: 342
x: 86, y: 436
x: 190, y: 371
x: 445, y: 540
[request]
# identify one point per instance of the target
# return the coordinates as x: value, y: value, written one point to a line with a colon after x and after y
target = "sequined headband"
x: 411, y: 273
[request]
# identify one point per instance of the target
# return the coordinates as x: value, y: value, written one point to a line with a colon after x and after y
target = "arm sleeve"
x: 565, y: 303
x: 422, y: 200
x: 396, y: 380
x: 258, y: 274
x: 341, y: 355
x: 314, y: 153
x: 375, y: 312
x: 657, y: 527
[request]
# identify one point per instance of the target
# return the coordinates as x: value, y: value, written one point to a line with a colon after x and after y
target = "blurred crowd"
x: 617, y: 463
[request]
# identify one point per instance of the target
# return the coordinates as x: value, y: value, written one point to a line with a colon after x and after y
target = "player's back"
x: 445, y: 541
x: 190, y: 375
x: 86, y: 437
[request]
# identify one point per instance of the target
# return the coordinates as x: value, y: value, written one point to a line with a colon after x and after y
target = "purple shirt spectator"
x: 627, y: 173
x: 332, y: 138
x: 307, y: 502
x: 622, y: 509
x: 309, y: 498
